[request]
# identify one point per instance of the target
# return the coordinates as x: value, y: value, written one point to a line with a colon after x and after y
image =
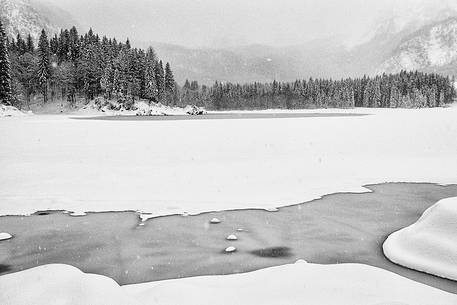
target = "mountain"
x: 253, y: 63
x: 427, y: 43
x: 432, y: 48
x: 416, y: 34
x: 30, y: 17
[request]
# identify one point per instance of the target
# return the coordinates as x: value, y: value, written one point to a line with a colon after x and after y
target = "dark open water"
x: 339, y: 228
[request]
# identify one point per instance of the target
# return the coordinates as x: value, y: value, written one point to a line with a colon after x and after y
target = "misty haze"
x: 228, y: 152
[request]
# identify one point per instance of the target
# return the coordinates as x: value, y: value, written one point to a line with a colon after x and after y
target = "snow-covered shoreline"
x: 300, y: 283
x: 11, y: 111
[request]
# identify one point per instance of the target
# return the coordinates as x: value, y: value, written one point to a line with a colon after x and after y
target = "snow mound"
x: 10, y: 111
x: 232, y: 237
x: 215, y: 221
x: 299, y: 283
x: 5, y: 236
x: 230, y: 249
x: 59, y: 284
x: 429, y: 245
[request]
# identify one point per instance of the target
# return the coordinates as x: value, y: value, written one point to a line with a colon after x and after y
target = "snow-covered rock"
x: 215, y: 221
x: 194, y: 110
x: 296, y: 284
x: 139, y: 108
x: 10, y: 111
x: 429, y: 245
x: 230, y: 249
x: 232, y: 237
x: 5, y: 236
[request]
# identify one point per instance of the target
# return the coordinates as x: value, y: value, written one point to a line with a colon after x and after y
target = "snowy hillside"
x: 430, y: 48
x: 30, y: 17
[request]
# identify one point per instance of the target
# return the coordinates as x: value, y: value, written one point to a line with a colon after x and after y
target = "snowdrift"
x: 429, y: 245
x: 10, y: 111
x: 299, y: 283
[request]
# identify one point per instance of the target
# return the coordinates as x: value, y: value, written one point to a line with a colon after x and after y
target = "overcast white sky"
x: 221, y: 23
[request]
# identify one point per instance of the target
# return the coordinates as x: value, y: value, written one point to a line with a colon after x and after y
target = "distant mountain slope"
x: 423, y: 38
x: 432, y: 48
x: 253, y: 62
x: 25, y: 16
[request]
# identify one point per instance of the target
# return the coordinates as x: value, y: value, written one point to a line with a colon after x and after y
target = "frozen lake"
x: 339, y: 228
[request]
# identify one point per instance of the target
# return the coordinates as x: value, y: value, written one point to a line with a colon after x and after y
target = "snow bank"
x: 10, y: 111
x: 59, y: 284
x: 429, y: 245
x: 190, y: 167
x: 300, y: 283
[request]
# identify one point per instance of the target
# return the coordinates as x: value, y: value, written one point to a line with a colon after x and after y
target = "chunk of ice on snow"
x: 215, y: 221
x: 5, y: 236
x: 232, y: 237
x: 230, y: 250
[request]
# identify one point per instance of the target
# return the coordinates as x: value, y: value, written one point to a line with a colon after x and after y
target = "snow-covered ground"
x: 10, y: 111
x: 300, y: 283
x: 173, y: 167
x: 430, y: 245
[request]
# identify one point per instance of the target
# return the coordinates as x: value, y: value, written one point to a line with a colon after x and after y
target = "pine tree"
x: 21, y: 45
x: 30, y: 44
x: 73, y: 45
x: 54, y: 45
x: 160, y: 81
x: 150, y: 83
x: 5, y: 70
x: 107, y: 81
x: 44, y: 67
x: 169, y: 84
x: 150, y: 89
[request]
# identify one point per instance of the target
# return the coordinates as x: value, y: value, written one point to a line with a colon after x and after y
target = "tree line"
x: 69, y: 65
x: 402, y: 90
